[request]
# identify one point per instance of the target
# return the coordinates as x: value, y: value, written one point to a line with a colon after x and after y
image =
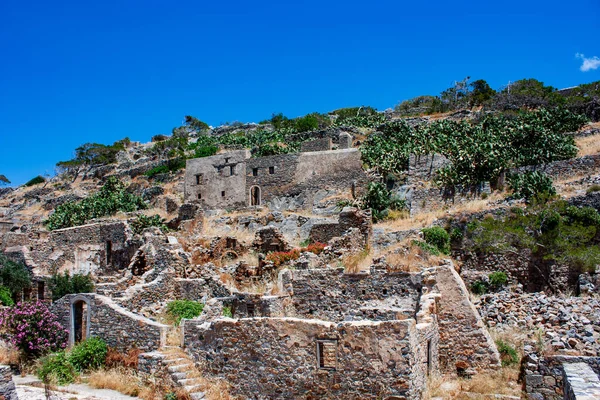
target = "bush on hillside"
x: 437, y: 237
x: 56, y: 368
x: 111, y: 198
x: 143, y: 221
x: 6, y: 297
x: 35, y: 181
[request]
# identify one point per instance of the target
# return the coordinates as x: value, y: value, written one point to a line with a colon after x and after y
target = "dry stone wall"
x: 7, y: 386
x: 333, y: 295
x: 322, y: 144
x: 292, y: 358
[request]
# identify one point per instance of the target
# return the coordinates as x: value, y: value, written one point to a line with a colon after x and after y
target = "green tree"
x: 64, y: 284
x: 196, y: 124
x: 481, y: 93
x: 4, y: 180
x: 14, y: 276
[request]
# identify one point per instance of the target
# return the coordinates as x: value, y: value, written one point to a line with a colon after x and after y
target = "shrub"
x: 143, y: 221
x: 62, y: 285
x: 426, y: 247
x: 479, y: 287
x: 530, y: 185
x: 315, y: 248
x: 56, y: 368
x: 112, y: 197
x: 206, y: 151
x: 379, y: 200
x: 227, y: 312
x: 179, y: 309
x: 508, y: 354
x: 456, y: 235
x: 437, y: 237
x: 497, y: 279
x: 593, y: 188
x: 159, y: 138
x: 35, y: 181
x: 160, y: 169
x: 89, y: 354
x: 116, y: 359
x: 14, y: 276
x: 33, y: 329
x: 279, y: 258
x: 6, y: 296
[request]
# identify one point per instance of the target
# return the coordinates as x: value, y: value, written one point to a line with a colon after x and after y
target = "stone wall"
x: 466, y: 347
x: 322, y: 144
x: 422, y: 167
x: 543, y: 376
x: 292, y: 358
x: 7, y: 386
x: 559, y: 170
x: 333, y: 295
x: 96, y: 248
x: 349, y: 217
x: 118, y: 327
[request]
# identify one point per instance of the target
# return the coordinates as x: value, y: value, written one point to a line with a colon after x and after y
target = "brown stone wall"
x: 322, y: 144
x: 267, y: 358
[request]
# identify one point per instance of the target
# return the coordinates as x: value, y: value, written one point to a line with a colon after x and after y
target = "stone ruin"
x: 316, y: 338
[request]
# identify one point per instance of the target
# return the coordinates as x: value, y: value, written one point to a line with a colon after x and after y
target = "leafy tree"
x: 481, y: 93
x: 438, y: 237
x: 62, y: 285
x: 527, y: 93
x: 530, y: 185
x: 179, y: 309
x: 14, y: 276
x: 92, y: 154
x: 143, y: 221
x: 196, y: 124
x: 4, y: 180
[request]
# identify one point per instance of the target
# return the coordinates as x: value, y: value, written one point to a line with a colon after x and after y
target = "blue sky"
x: 79, y: 71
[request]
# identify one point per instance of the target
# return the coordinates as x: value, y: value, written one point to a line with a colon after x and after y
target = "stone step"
x: 188, y: 382
x: 193, y: 388
x: 180, y: 367
x: 174, y: 360
x: 179, y: 375
x: 198, y: 395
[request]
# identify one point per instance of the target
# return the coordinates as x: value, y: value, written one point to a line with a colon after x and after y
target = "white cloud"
x: 588, y: 63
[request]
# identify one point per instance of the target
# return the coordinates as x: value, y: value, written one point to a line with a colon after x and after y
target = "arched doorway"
x: 255, y: 196
x: 80, y: 320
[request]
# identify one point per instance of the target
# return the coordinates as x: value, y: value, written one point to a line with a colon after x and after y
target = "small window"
x: 199, y: 196
x: 199, y: 179
x: 384, y: 292
x: 250, y: 309
x: 227, y: 159
x: 41, y: 287
x: 223, y: 193
x: 327, y: 354
x: 271, y: 170
x: 231, y: 170
x: 254, y: 171
x: 108, y: 250
x: 364, y: 291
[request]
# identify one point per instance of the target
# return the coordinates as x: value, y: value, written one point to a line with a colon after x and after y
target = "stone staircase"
x: 183, y: 371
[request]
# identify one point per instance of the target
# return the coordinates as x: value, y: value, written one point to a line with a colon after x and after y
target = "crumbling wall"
x: 321, y: 144
x: 422, y: 167
x: 349, y: 217
x: 293, y: 358
x: 333, y: 295
x: 118, y: 327
x: 466, y: 347
x: 565, y: 169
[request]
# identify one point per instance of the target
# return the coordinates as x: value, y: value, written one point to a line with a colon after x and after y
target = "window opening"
x: 327, y: 354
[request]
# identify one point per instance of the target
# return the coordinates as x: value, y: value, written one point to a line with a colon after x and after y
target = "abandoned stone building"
x: 234, y: 180
x: 331, y: 335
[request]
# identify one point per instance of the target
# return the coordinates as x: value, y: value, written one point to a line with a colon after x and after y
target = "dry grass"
x: 174, y: 336
x: 357, y: 262
x: 119, y: 379
x: 481, y: 386
x: 422, y: 220
x: 409, y: 258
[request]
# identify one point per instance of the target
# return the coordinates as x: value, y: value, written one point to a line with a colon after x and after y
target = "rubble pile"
x: 570, y: 325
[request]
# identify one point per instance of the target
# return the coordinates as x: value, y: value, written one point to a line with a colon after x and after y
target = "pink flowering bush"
x: 33, y: 329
